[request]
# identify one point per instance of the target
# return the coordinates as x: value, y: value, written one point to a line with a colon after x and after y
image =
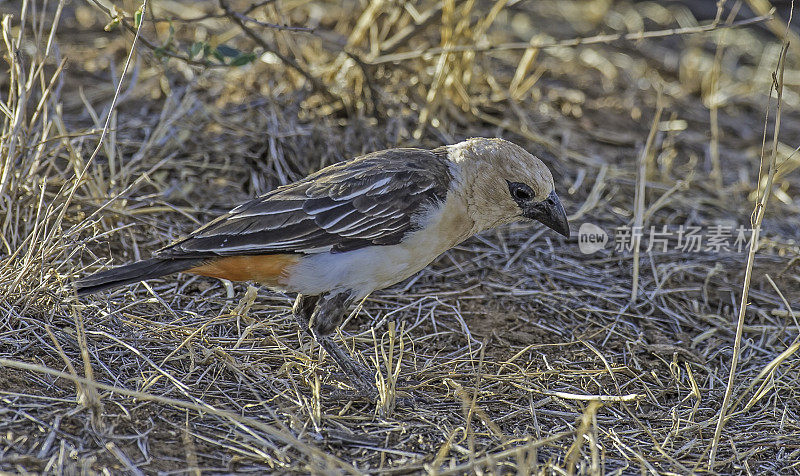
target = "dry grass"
x: 513, y: 353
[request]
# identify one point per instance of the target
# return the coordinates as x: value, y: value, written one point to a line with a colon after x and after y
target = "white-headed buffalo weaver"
x: 357, y: 226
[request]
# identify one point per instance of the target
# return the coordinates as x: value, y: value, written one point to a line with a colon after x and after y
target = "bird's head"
x: 503, y: 183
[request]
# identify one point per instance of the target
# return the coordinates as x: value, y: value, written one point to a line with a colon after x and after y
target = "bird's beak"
x: 550, y: 213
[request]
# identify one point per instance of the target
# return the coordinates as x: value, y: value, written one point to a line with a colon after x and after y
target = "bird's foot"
x: 360, y: 377
x: 338, y: 394
x: 371, y: 395
x: 362, y: 380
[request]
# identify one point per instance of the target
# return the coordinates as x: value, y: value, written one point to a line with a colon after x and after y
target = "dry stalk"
x: 713, y: 106
x: 587, y: 421
x: 237, y: 420
x: 639, y: 198
x: 757, y: 218
x: 110, y: 115
x: 593, y: 40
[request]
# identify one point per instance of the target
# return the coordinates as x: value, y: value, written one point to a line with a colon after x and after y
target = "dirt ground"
x: 514, y: 352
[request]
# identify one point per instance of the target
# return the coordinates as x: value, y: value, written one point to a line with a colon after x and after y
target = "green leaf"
x: 137, y: 17
x: 228, y: 51
x: 195, y: 49
x: 116, y: 19
x: 243, y: 59
x: 112, y: 25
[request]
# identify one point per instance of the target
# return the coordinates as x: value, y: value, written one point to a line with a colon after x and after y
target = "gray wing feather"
x: 370, y: 200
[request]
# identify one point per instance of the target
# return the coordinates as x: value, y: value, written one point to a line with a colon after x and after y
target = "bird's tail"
x: 134, y: 272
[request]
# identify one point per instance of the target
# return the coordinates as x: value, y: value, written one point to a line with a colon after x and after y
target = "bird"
x: 358, y: 226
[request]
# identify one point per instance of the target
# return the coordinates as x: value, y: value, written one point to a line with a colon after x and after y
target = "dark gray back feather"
x: 370, y: 200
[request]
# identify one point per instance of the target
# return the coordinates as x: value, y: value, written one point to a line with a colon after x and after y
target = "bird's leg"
x: 302, y: 309
x: 321, y: 315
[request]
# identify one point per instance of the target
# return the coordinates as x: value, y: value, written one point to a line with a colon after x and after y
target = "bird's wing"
x: 375, y: 199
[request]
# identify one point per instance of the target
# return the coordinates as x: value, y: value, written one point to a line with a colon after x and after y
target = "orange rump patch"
x: 267, y: 269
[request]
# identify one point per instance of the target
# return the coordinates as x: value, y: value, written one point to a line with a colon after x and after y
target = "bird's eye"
x: 520, y: 192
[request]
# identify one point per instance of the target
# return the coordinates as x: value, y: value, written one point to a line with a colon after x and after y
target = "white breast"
x: 375, y: 267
